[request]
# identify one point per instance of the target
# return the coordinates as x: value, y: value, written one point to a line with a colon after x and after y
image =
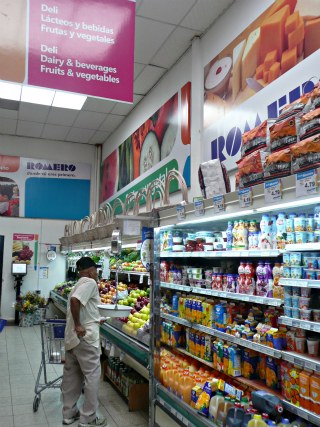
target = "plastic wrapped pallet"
x: 213, y: 179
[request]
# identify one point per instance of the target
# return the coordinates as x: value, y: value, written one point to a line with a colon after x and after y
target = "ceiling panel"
x: 89, y: 120
x: 148, y: 78
x: 123, y: 109
x: 8, y: 114
x: 30, y: 129
x: 174, y: 47
x: 99, y: 137
x: 62, y: 116
x: 98, y: 105
x: 204, y: 13
x: 138, y: 69
x: 33, y: 112
x: 111, y: 123
x: 80, y: 135
x: 55, y: 132
x: 150, y: 35
x: 168, y: 11
x: 8, y: 126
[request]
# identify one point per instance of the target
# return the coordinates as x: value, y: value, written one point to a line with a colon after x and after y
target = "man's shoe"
x: 102, y: 422
x: 68, y: 421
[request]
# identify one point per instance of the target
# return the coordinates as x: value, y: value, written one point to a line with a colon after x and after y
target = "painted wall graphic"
x: 37, y: 188
x: 25, y: 249
x: 162, y: 140
x: 82, y: 46
x: 256, y: 74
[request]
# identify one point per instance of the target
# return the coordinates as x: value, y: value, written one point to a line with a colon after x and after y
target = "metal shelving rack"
x: 168, y: 220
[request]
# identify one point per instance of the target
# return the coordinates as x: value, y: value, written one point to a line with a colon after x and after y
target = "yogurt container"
x: 296, y: 272
x: 197, y: 276
x: 309, y: 274
x: 304, y: 303
x: 300, y: 344
x: 305, y: 314
x: 316, y: 315
x: 310, y: 237
x: 286, y: 259
x: 291, y: 238
x: 305, y: 292
x: 295, y: 313
x: 310, y: 223
x: 313, y: 346
x: 310, y: 262
x: 317, y: 235
x: 288, y: 300
x: 295, y: 258
x: 177, y: 240
x: 301, y: 236
x: 196, y: 271
x: 295, y: 291
x: 208, y: 248
x: 178, y: 248
x: 286, y: 272
x: 295, y: 301
x: 300, y: 223
x: 287, y: 290
x: 288, y: 311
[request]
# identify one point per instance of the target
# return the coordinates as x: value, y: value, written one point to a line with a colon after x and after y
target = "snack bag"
x: 283, y: 134
x: 306, y: 154
x: 278, y: 164
x: 254, y: 139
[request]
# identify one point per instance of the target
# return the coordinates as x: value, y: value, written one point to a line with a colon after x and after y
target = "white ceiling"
x: 164, y: 31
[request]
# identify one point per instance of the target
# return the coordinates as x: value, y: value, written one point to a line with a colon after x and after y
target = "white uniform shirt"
x: 86, y: 291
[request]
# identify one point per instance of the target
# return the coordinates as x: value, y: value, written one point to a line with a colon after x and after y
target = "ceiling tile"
x: 112, y: 121
x: 178, y: 42
x: 8, y: 114
x: 138, y: 69
x: 147, y: 79
x: 62, y: 116
x: 98, y: 105
x: 8, y: 126
x: 150, y: 35
x: 89, y: 120
x: 55, y: 132
x: 31, y: 129
x: 168, y: 11
x: 80, y: 135
x: 33, y: 112
x: 99, y: 137
x: 204, y: 13
x: 124, y: 109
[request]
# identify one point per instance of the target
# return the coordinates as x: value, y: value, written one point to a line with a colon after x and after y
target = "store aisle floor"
x: 20, y: 356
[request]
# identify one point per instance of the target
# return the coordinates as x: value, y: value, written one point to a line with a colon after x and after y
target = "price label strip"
x: 272, y: 191
x: 181, y: 212
x: 245, y: 197
x: 198, y: 204
x: 306, y: 183
x: 218, y: 204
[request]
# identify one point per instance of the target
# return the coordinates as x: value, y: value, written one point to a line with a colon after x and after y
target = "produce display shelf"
x: 128, y: 345
x: 185, y: 352
x: 179, y: 410
x: 302, y: 360
x: 59, y: 301
x: 224, y: 336
x: 312, y: 247
x: 303, y: 413
x: 297, y: 323
x: 300, y: 283
x: 276, y: 302
x: 222, y: 254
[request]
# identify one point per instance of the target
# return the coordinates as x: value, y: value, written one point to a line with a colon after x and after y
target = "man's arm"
x: 75, y: 311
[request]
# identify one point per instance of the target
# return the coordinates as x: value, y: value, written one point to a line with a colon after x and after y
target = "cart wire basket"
x: 52, y: 352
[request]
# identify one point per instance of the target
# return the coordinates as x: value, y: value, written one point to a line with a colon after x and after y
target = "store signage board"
x: 198, y: 204
x: 245, y: 197
x: 218, y: 204
x: 272, y: 191
x: 306, y: 183
x: 80, y: 46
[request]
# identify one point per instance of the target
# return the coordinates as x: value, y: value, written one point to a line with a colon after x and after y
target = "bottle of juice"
x: 242, y: 236
x: 269, y: 279
x: 229, y: 236
x: 261, y: 285
x: 257, y: 421
x: 281, y: 230
x: 265, y: 235
x: 250, y: 285
x: 235, y: 416
x: 215, y: 403
x: 222, y: 412
x: 235, y: 235
x: 284, y: 423
x: 274, y: 232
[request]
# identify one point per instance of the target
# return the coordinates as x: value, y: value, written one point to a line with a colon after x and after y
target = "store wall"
x: 49, y: 232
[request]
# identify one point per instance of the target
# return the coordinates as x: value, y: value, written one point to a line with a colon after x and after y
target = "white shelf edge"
x: 221, y: 294
x: 301, y: 360
x: 136, y: 273
x: 224, y: 336
x: 298, y: 323
x: 312, y: 247
x: 222, y: 254
x: 299, y: 283
x: 303, y: 413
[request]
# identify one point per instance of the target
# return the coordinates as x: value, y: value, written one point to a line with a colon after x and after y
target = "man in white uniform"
x: 82, y: 367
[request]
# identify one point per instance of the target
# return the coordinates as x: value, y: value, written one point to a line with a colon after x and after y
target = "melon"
x: 150, y: 152
x: 169, y: 138
x: 109, y: 176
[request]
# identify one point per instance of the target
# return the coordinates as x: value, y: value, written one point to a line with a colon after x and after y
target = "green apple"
x: 130, y: 317
x: 144, y: 317
x: 137, y: 325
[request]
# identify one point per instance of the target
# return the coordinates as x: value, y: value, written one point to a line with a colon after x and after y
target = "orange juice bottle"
x: 304, y: 385
x: 186, y: 387
x: 315, y: 393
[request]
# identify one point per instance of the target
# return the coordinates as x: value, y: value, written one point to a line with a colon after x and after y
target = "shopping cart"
x: 52, y: 352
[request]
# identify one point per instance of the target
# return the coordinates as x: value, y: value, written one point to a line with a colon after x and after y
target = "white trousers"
x: 82, y: 369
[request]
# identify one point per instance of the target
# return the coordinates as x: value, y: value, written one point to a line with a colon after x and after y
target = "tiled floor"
x: 20, y: 356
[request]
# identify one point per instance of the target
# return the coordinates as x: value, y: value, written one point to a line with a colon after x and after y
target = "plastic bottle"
x: 269, y: 279
x: 267, y: 402
x: 281, y: 230
x: 242, y: 236
x: 273, y: 232
x: 235, y: 235
x: 250, y: 285
x: 215, y: 402
x: 245, y: 403
x: 222, y: 412
x: 272, y: 423
x: 229, y: 236
x: 235, y: 416
x: 284, y: 423
x: 257, y: 421
x: 247, y: 417
x: 261, y: 285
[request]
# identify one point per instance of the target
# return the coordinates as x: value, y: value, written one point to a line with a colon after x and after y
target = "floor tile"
x: 6, y: 411
x: 26, y: 409
x: 34, y: 419
x: 6, y: 422
x: 5, y: 401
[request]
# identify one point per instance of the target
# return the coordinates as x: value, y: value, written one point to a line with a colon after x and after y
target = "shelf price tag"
x: 198, y: 204
x: 306, y: 183
x: 218, y: 204
x: 272, y: 191
x: 245, y: 197
x: 181, y: 212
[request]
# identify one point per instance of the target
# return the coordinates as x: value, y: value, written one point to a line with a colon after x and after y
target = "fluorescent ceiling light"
x: 37, y: 95
x: 296, y: 204
x: 69, y: 100
x: 10, y: 91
